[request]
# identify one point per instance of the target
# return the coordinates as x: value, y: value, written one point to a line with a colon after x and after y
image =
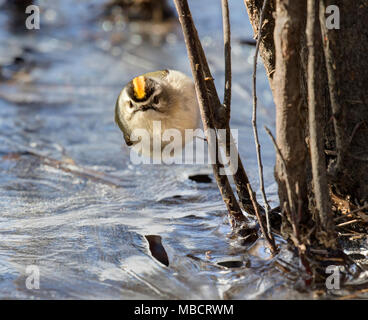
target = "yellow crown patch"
x: 139, y: 84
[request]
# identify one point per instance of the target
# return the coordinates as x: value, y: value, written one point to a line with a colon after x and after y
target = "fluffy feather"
x: 177, y: 107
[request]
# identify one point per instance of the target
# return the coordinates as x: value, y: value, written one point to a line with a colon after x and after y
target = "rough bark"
x: 290, y: 122
x: 267, y: 47
x: 316, y: 123
x: 337, y: 95
x: 346, y: 63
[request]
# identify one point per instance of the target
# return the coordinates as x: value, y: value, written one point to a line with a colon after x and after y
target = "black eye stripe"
x: 156, y: 99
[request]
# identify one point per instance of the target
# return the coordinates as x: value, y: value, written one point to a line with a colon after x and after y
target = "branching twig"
x: 194, y: 53
x: 254, y: 120
x: 221, y: 120
x: 219, y: 113
x: 270, y: 240
x: 240, y: 177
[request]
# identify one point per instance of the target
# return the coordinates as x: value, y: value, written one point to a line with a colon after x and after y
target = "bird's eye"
x: 156, y: 100
x: 130, y: 104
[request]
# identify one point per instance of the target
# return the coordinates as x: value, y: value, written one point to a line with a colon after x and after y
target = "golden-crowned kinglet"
x: 164, y: 99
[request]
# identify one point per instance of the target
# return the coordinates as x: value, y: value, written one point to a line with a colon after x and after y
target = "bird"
x: 166, y: 97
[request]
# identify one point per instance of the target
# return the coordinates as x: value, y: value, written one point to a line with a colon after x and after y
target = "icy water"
x: 87, y: 236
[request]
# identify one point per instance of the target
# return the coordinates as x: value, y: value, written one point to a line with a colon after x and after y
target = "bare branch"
x: 240, y: 177
x: 315, y: 108
x: 227, y: 53
x: 220, y: 118
x: 194, y: 53
x: 254, y: 120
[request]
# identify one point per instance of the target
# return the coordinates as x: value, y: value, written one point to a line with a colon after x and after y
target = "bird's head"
x: 167, y: 96
x: 144, y: 96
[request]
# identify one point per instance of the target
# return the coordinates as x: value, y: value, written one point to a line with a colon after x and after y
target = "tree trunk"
x: 346, y: 64
x: 319, y: 82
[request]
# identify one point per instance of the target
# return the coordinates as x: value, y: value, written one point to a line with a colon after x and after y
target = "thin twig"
x: 354, y: 295
x: 240, y: 176
x: 288, y: 185
x: 348, y: 222
x: 218, y: 109
x: 222, y: 118
x: 227, y: 53
x: 254, y: 120
x: 359, y: 209
x: 298, y: 214
x: 270, y: 240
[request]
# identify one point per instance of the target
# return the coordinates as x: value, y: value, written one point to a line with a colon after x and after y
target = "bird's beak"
x: 145, y: 108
